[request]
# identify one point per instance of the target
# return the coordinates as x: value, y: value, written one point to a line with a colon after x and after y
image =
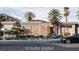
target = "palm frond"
x: 29, y: 14
x: 54, y: 15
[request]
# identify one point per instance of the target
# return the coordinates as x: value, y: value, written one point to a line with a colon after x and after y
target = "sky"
x: 40, y: 12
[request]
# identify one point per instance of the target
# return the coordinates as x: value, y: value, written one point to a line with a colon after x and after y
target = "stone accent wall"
x: 37, y: 29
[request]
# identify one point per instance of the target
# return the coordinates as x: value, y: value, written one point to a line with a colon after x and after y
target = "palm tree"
x: 29, y: 15
x: 54, y: 16
x: 1, y: 19
x: 1, y: 25
x: 66, y: 12
x: 1, y: 32
x: 77, y: 15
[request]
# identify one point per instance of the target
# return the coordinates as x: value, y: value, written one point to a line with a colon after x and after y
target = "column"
x: 73, y: 29
x: 59, y: 29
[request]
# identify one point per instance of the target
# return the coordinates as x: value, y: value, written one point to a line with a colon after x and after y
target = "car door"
x: 73, y: 39
x: 76, y: 39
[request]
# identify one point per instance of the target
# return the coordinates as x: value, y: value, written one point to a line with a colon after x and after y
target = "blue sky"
x: 40, y: 12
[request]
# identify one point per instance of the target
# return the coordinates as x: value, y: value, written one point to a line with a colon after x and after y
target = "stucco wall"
x: 37, y: 29
x: 66, y: 30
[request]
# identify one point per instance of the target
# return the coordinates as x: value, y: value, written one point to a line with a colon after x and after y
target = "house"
x: 68, y: 27
x: 34, y: 27
x: 42, y: 28
x: 38, y: 27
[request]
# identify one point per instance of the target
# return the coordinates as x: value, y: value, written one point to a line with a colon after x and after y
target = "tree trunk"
x: 57, y: 28
x: 54, y: 28
x: 66, y: 18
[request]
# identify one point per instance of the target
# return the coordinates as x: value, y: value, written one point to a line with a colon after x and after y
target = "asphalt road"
x: 37, y: 45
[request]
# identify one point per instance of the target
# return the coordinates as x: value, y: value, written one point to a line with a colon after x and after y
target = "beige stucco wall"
x: 73, y: 29
x: 37, y: 29
x: 78, y: 29
x: 45, y: 28
x: 66, y: 30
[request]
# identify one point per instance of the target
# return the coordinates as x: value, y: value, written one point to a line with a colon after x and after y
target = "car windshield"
x: 72, y: 37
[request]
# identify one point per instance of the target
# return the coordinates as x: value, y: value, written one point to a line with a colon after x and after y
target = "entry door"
x: 51, y: 30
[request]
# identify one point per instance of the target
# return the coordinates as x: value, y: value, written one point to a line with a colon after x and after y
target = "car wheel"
x: 63, y: 40
x: 68, y: 41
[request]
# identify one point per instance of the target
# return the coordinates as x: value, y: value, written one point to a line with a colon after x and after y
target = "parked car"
x: 72, y: 39
x: 54, y: 36
x: 1, y: 39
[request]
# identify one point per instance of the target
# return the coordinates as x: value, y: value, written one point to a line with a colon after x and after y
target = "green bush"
x: 20, y: 37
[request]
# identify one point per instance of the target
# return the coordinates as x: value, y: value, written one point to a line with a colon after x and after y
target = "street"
x: 37, y: 45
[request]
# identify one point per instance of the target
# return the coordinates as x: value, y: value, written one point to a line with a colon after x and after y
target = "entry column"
x: 73, y: 29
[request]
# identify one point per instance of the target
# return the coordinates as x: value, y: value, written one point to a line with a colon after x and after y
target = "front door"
x: 51, y: 30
